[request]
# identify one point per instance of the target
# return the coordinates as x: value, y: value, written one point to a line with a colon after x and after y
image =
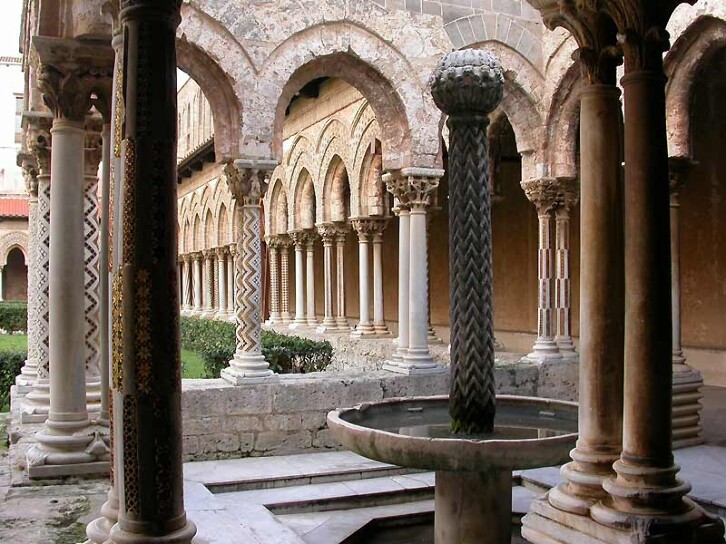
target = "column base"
x: 401, y: 367
x: 433, y: 339
x: 543, y: 350
x: 150, y: 534
x: 286, y: 317
x: 246, y: 368
x: 381, y: 330
x: 27, y: 377
x: 98, y: 531
x: 686, y: 411
x: 327, y: 326
x: 298, y: 324
x: 545, y: 524
x: 232, y: 318
x: 221, y: 315
x: 363, y: 330
x: 342, y: 324
x: 207, y: 314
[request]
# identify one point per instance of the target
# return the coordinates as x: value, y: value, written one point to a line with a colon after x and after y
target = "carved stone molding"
x: 248, y: 180
x: 369, y: 226
x: 413, y: 187
x: 327, y: 232
x: 544, y: 193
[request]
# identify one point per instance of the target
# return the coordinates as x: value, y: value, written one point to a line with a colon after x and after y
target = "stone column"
x: 273, y: 253
x: 379, y: 321
x: 563, y: 291
x: 413, y: 187
x: 68, y: 444
x: 230, y: 282
x: 37, y: 402
x: 187, y: 285
x: 93, y: 154
x: 208, y: 281
x: 298, y: 238
x: 285, y: 244
x: 221, y: 283
x: 327, y: 232
x: 646, y: 496
x: 404, y: 233
x: 147, y: 361
x: 248, y: 181
x: 311, y: 319
x: 341, y: 319
x: 687, y: 381
x: 544, y: 194
x: 433, y: 210
x: 29, y: 373
x: 197, y: 257
x: 364, y: 227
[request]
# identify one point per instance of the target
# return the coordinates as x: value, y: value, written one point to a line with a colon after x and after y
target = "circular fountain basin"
x: 415, y: 432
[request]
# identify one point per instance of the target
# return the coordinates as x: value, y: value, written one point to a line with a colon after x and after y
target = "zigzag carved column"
x: 69, y: 444
x: 285, y: 244
x: 544, y: 194
x: 37, y: 402
x: 248, y: 181
x: 29, y: 373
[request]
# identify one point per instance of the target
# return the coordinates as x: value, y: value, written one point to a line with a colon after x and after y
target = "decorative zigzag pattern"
x: 472, y: 402
x: 43, y: 276
x: 248, y: 279
x: 33, y: 317
x: 91, y: 253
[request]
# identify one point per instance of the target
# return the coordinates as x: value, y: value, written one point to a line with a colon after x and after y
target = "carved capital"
x: 678, y: 168
x: 298, y: 238
x: 468, y: 82
x: 187, y: 257
x: 38, y: 141
x: 233, y: 250
x: 285, y: 241
x: 327, y: 232
x: 29, y: 164
x: 310, y: 238
x: 413, y: 187
x: 248, y: 180
x: 273, y: 241
x: 221, y: 253
x: 72, y: 74
x: 93, y: 153
x: 569, y: 189
x: 341, y: 231
x: 368, y: 226
x: 544, y: 193
x: 208, y: 254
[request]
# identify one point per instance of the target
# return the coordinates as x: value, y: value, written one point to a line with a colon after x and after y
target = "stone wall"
x: 289, y: 416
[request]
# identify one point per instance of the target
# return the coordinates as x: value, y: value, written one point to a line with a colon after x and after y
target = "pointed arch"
x: 336, y: 192
x: 305, y: 201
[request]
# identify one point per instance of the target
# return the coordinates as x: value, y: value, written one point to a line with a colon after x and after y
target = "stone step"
x: 340, y: 495
x: 257, y: 473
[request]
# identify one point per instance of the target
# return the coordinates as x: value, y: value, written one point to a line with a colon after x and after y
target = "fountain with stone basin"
x: 458, y: 436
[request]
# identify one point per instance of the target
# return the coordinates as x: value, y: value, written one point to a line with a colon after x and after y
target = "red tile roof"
x: 13, y: 207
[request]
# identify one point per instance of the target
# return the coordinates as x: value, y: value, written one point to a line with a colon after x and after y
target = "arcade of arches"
x: 300, y: 181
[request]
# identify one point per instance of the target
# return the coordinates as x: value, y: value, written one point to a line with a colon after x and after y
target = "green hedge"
x: 11, y: 362
x: 13, y: 316
x: 215, y: 342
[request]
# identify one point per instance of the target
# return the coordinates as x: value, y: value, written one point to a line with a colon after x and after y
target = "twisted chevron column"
x: 544, y: 194
x: 569, y: 195
x: 468, y: 103
x: 285, y: 244
x: 327, y: 232
x: 248, y: 181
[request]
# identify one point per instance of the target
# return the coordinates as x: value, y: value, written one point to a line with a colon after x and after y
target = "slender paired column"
x: 364, y: 227
x: 197, y: 282
x: 273, y: 253
x: 29, y: 373
x: 232, y: 248
x: 563, y: 291
x: 413, y: 187
x: 298, y: 238
x: 687, y: 380
x: 311, y: 317
x: 544, y: 194
x: 379, y: 321
x: 404, y: 232
x: 248, y: 181
x: 37, y: 402
x: 187, y: 304
x: 221, y: 283
x: 208, y: 281
x: 341, y: 319
x: 68, y: 444
x: 285, y: 244
x: 147, y: 362
x: 327, y: 232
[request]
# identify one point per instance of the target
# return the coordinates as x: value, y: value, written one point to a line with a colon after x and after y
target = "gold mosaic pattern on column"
x: 117, y: 330
x: 129, y: 206
x: 130, y: 456
x: 142, y: 332
x: 118, y: 112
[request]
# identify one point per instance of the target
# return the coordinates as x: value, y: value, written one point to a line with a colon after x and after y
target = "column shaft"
x: 675, y: 205
x: 379, y: 322
x: 197, y: 283
x: 273, y: 251
x: 418, y: 310
x: 231, y: 282
x: 103, y: 270
x: 221, y: 284
x: 563, y: 289
x: 208, y: 280
x: 187, y: 284
x: 298, y: 238
x: 285, y: 280
x: 310, y: 278
x: 364, y: 327
x: 327, y: 234
x: 404, y: 263
x: 341, y: 318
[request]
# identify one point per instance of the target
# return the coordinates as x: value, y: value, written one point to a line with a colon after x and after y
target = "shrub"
x: 11, y: 362
x: 13, y: 316
x: 215, y: 342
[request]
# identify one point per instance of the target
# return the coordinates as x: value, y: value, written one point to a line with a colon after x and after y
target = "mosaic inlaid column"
x: 327, y: 234
x: 68, y: 443
x: 273, y: 255
x: 646, y: 496
x: 379, y: 321
x: 147, y: 361
x: 221, y: 283
x: 310, y: 317
x: 37, y: 402
x: 231, y: 282
x: 29, y: 373
x: 285, y: 244
x: 187, y: 284
x: 364, y: 227
x: 341, y: 319
x: 404, y: 231
x: 569, y: 195
x: 197, y: 304
x: 91, y: 227
x: 208, y: 282
x: 544, y: 194
x: 687, y: 380
x: 248, y: 181
x: 298, y: 238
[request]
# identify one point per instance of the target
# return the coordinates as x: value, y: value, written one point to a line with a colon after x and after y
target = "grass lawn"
x: 193, y: 364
